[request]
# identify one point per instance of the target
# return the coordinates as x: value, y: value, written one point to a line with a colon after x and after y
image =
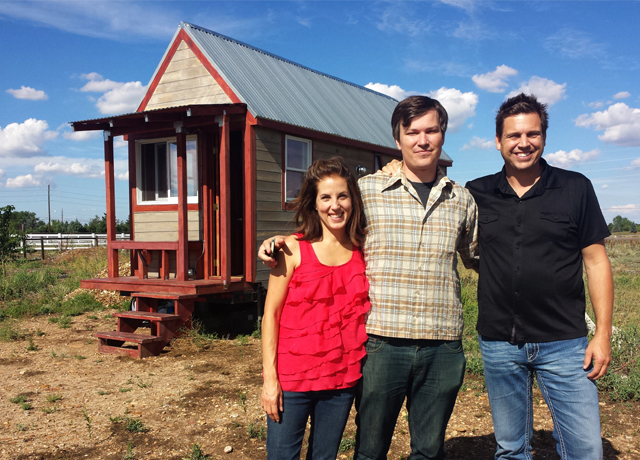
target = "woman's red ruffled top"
x: 322, y: 334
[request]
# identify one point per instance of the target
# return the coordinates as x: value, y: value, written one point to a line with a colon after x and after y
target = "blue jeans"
x: 428, y: 373
x: 571, y: 397
x: 329, y: 412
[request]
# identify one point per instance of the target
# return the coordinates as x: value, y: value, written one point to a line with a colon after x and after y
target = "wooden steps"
x: 164, y: 327
x: 147, y: 345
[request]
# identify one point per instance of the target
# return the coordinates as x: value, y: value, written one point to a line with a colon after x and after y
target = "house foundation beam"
x: 112, y: 254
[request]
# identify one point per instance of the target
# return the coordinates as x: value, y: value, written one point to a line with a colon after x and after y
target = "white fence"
x: 64, y: 241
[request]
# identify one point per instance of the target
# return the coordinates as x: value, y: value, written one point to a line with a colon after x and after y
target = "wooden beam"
x: 182, y: 257
x: 205, y: 197
x: 132, y: 200
x: 225, y: 202
x: 112, y: 253
x: 249, y: 202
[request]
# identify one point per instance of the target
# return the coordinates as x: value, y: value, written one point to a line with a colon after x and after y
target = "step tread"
x: 147, y: 315
x: 128, y: 337
x: 164, y: 295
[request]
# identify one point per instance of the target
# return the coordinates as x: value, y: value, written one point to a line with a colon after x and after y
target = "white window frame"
x: 170, y: 199
x: 286, y: 157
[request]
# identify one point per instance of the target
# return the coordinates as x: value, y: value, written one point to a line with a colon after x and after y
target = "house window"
x: 297, y: 161
x: 158, y: 171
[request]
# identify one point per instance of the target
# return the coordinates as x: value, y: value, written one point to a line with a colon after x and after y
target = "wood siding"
x: 271, y: 218
x: 186, y: 81
x: 163, y: 226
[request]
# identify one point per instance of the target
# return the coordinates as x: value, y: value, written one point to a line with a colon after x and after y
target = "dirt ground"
x: 82, y: 402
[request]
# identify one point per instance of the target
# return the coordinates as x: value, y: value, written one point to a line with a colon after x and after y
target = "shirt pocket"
x: 488, y: 225
x: 554, y: 226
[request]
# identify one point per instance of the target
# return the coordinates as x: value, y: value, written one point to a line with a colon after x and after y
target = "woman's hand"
x: 272, y: 399
x: 392, y: 167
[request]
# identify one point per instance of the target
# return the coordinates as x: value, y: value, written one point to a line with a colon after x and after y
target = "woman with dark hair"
x: 313, y: 325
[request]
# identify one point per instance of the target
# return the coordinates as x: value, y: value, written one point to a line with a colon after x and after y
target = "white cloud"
x: 605, y: 185
x: 625, y: 207
x: 622, y: 95
x: 98, y: 84
x: 459, y: 105
x: 24, y: 181
x: 620, y: 123
x: 1, y: 173
x: 119, y: 142
x: 547, y: 91
x: 80, y: 167
x: 596, y: 105
x: 24, y: 139
x: 393, y: 91
x: 474, y: 31
x: 80, y: 136
x: 26, y: 92
x: 635, y: 163
x: 123, y: 176
x: 566, y: 160
x: 479, y: 143
x: 124, y: 99
x: 495, y: 82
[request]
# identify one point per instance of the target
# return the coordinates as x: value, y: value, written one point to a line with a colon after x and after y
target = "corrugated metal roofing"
x: 281, y: 90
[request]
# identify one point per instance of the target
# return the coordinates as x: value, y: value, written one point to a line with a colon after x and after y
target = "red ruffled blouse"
x: 322, y: 333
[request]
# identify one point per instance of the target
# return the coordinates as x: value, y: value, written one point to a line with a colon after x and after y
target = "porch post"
x: 225, y: 203
x: 132, y: 199
x: 112, y: 254
x: 182, y: 255
x: 249, y: 201
x: 203, y: 151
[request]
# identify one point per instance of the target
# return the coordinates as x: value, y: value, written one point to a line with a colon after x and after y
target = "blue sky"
x: 71, y: 60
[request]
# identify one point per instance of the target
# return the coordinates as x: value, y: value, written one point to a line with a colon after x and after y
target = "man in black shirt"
x: 537, y: 225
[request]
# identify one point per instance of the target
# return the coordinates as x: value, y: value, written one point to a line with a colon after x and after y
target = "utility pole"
x: 49, y: 204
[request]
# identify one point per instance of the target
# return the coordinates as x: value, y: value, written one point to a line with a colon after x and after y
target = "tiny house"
x: 217, y: 151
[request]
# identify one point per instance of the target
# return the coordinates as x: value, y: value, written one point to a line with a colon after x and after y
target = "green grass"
x: 32, y: 288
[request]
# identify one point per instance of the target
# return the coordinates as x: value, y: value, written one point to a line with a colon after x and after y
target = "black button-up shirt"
x: 530, y: 287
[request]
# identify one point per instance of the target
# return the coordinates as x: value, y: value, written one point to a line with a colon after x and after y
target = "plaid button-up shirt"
x: 410, y: 255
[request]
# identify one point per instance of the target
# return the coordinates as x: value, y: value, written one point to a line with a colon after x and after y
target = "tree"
x: 622, y: 224
x: 11, y: 237
x: 28, y: 218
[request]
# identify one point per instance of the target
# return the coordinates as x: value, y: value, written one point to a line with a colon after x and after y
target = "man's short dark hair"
x: 414, y: 107
x: 522, y: 103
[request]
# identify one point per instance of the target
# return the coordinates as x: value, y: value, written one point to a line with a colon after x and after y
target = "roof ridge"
x: 184, y: 24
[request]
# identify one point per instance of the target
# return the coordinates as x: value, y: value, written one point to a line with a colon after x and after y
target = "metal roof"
x: 277, y: 89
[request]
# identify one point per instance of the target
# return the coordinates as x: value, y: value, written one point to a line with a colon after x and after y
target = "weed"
x: 243, y: 399
x: 116, y: 419
x: 134, y: 425
x: 347, y: 444
x: 94, y: 317
x: 50, y: 409
x: 130, y: 454
x: 258, y: 432
x: 142, y: 384
x: 104, y: 393
x: 21, y: 427
x: 18, y: 399
x: 242, y: 340
x: 125, y: 390
x: 64, y: 322
x: 53, y: 354
x: 257, y: 332
x: 130, y: 382
x: 79, y: 357
x: 39, y: 333
x: 88, y: 420
x: 196, y: 453
x: 54, y: 398
x: 26, y: 406
x: 10, y: 332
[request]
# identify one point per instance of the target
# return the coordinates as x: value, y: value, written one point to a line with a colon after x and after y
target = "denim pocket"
x: 373, y: 345
x: 455, y: 346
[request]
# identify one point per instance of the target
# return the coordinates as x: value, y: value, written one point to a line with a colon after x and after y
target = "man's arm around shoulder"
x: 600, y: 283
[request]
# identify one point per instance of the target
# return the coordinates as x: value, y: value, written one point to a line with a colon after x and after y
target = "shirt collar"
x: 548, y: 180
x: 441, y: 181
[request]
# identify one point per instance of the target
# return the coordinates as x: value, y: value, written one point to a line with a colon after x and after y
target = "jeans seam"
x: 556, y: 425
x: 529, y: 424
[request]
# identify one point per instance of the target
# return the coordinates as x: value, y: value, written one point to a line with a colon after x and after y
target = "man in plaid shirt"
x: 418, y: 221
